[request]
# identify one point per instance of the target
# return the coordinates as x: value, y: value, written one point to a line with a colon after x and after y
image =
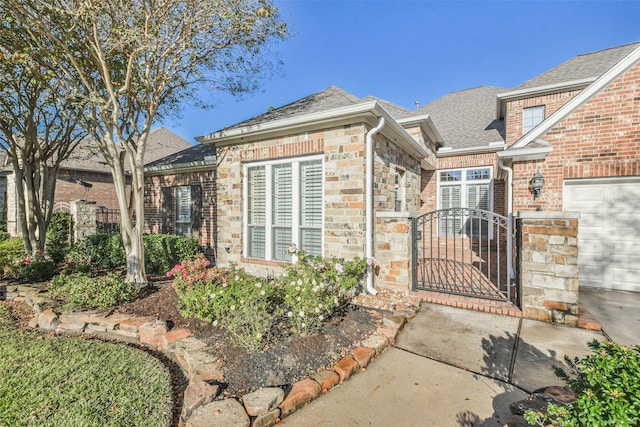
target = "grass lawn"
x: 66, y: 381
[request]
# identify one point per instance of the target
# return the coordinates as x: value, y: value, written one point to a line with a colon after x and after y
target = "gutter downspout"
x: 509, y: 171
x: 369, y: 204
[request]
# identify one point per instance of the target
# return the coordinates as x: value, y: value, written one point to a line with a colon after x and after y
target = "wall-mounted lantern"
x: 537, y: 182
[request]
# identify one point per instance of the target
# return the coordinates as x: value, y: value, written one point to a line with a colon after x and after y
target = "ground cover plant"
x: 68, y: 381
x: 80, y: 291
x: 607, y: 386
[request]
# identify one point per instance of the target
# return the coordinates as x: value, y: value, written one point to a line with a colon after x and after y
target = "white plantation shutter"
x: 450, y: 198
x: 311, y: 207
x: 183, y: 210
x: 477, y: 198
x: 281, y: 210
x: 256, y: 212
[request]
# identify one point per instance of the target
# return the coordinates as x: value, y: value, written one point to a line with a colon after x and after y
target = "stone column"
x: 83, y: 215
x: 392, y: 250
x: 549, y: 266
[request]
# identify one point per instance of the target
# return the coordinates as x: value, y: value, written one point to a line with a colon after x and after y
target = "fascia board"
x: 426, y: 124
x: 502, y: 98
x: 577, y: 101
x: 296, y: 123
x: 367, y: 112
x: 523, y: 154
x: 180, y: 168
x: 444, y: 152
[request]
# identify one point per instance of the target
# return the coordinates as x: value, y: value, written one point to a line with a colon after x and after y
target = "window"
x: 465, y: 188
x: 283, y: 206
x: 531, y: 117
x: 183, y: 211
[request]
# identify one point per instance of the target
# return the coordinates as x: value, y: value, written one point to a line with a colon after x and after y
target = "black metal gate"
x: 464, y: 251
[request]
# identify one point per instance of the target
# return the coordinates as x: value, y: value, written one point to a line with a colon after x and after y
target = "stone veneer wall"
x: 549, y: 266
x: 393, y: 251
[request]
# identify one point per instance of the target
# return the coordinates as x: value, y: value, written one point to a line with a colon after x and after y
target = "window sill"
x: 259, y: 261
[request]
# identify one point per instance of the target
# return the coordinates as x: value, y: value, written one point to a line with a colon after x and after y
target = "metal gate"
x: 464, y: 251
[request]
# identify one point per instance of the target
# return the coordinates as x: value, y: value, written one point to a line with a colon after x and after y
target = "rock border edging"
x: 264, y: 407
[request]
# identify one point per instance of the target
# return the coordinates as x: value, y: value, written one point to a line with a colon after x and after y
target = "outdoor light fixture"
x: 537, y: 182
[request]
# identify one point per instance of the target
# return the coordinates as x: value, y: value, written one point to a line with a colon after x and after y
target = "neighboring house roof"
x: 197, y: 156
x: 532, y: 139
x: 466, y: 119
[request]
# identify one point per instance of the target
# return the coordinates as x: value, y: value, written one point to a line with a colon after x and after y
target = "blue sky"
x: 408, y: 51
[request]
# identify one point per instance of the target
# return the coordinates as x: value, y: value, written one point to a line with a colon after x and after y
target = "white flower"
x: 303, y: 325
x: 320, y: 306
x: 321, y: 318
x: 241, y: 301
x: 289, y: 314
x: 232, y: 308
x: 298, y: 298
x: 299, y: 282
x: 314, y: 289
x: 262, y: 292
x: 339, y: 268
x: 317, y: 309
x: 212, y: 296
x: 301, y: 314
x: 371, y: 261
x: 215, y: 322
x: 258, y: 285
x: 313, y: 282
x: 297, y: 288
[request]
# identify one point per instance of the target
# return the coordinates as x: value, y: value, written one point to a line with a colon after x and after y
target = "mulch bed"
x: 286, y: 361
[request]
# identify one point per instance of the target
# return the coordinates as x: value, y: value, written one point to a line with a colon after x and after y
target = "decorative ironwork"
x: 107, y: 220
x: 464, y: 251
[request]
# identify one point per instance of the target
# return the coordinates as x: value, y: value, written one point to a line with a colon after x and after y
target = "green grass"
x: 66, y: 381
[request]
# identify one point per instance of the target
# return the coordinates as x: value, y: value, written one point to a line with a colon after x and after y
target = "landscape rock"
x: 151, y: 333
x: 301, y: 393
x: 198, y: 393
x: 221, y: 413
x: 263, y: 401
x: 175, y: 335
x: 394, y: 322
x: 267, y: 420
x: 133, y: 324
x: 48, y: 320
x: 202, y: 366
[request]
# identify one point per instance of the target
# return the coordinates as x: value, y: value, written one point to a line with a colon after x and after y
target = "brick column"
x: 549, y: 266
x: 83, y: 215
x: 392, y: 250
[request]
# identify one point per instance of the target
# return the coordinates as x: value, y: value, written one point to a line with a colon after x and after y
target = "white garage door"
x: 609, y: 232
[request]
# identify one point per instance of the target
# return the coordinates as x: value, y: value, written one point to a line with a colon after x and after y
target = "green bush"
x: 607, y: 384
x: 82, y: 292
x: 11, y: 253
x: 163, y: 251
x: 58, y: 243
x: 35, y: 270
x: 96, y: 253
x: 315, y: 287
x: 248, y: 307
x: 4, y: 235
x: 244, y: 305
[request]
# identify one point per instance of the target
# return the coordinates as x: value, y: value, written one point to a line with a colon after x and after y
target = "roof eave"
x: 197, y: 166
x: 368, y: 112
x: 426, y: 125
x: 503, y: 98
x: 492, y: 147
x: 561, y: 113
x: 525, y: 154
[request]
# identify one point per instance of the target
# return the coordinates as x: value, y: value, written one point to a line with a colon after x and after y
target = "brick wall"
x: 549, y: 266
x: 599, y: 139
x: 155, y: 214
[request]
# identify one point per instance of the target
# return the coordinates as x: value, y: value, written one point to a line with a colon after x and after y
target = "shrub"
x: 31, y: 270
x: 244, y: 305
x: 163, y: 251
x: 607, y: 384
x: 82, y: 292
x: 316, y: 287
x: 11, y: 253
x: 58, y: 243
x: 96, y: 253
x: 4, y: 235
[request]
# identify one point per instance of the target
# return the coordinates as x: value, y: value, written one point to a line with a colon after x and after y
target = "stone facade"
x: 549, y: 266
x: 393, y: 251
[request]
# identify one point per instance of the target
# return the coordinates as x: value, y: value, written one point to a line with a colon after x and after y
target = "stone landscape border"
x: 262, y: 408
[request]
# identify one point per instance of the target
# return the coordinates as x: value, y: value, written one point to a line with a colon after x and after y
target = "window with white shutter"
x: 183, y: 210
x: 283, y: 205
x: 465, y: 188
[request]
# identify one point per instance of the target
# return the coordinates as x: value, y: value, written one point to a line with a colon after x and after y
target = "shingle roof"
x: 161, y: 143
x: 195, y: 153
x: 588, y: 65
x: 396, y: 111
x: 466, y: 118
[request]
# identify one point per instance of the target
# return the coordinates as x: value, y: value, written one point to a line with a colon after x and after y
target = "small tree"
x: 37, y: 130
x: 133, y: 61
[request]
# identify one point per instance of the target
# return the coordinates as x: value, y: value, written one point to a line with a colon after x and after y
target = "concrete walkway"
x: 450, y: 367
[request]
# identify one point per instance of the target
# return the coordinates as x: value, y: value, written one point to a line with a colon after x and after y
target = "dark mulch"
x: 286, y: 361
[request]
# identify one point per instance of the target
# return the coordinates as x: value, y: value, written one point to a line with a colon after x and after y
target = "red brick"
x: 327, y: 379
x: 363, y: 355
x: 301, y: 392
x: 345, y: 368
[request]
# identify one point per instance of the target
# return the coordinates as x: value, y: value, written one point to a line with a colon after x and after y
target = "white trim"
x: 577, y: 101
x: 491, y: 148
x: 295, y: 202
x: 524, y: 154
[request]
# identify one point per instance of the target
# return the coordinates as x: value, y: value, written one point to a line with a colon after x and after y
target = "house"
x: 343, y: 176
x: 85, y: 175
